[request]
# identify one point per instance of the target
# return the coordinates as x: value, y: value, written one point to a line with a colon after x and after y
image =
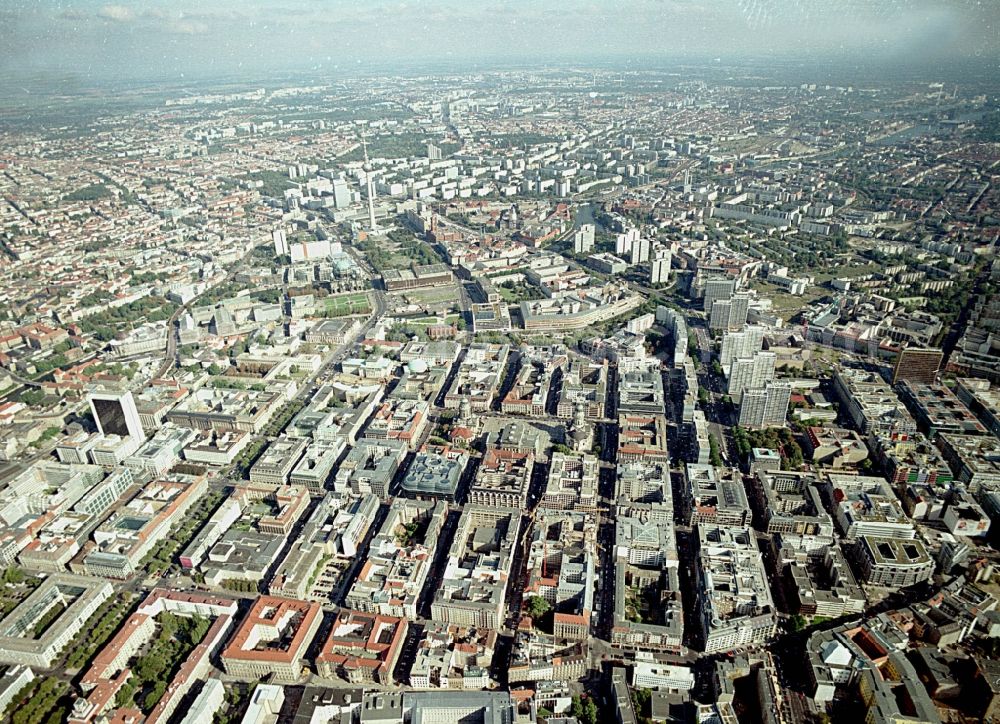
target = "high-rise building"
x: 583, y: 239
x: 915, y: 364
x: 749, y: 373
x: 739, y: 311
x: 623, y: 242
x: 342, y: 196
x: 280, y: 239
x: 433, y: 152
x: 737, y: 345
x: 765, y: 407
x: 659, y: 266
x: 716, y: 289
x: 116, y: 414
x: 729, y: 313
x: 640, y: 251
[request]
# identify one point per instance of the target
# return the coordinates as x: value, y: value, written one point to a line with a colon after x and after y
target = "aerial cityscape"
x: 522, y: 392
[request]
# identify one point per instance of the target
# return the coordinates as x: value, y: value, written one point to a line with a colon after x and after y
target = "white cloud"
x: 117, y: 13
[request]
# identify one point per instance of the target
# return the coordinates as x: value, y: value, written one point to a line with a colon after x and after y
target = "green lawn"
x: 432, y: 296
x: 343, y: 305
x: 843, y: 272
x: 518, y: 292
x: 784, y: 303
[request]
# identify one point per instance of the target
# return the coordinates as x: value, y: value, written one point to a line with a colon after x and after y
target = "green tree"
x: 537, y: 607
x: 13, y: 575
x: 714, y: 457
x: 584, y: 709
x: 154, y: 695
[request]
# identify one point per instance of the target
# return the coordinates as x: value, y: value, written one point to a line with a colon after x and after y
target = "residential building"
x: 31, y: 636
x: 914, y: 364
x: 472, y: 590
x: 753, y: 372
x: 277, y: 461
x: 734, y: 596
x: 272, y: 639
x: 453, y: 657
x: 717, y: 497
x: 765, y: 407
x: 369, y: 467
x: 572, y: 482
x: 659, y: 265
x: 362, y: 647
x: 729, y: 314
x: 399, y: 559
x: 893, y: 562
x: 739, y: 345
x: 502, y: 479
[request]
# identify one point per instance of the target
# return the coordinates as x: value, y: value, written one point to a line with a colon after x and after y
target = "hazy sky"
x: 185, y: 38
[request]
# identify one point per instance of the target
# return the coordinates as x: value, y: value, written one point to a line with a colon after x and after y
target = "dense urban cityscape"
x: 562, y: 395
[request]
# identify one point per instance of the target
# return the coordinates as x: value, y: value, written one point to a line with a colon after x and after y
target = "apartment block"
x: 272, y: 639
x: 473, y: 587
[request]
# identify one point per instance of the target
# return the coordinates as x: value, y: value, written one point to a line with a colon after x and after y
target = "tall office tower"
x: 659, y: 266
x: 115, y: 414
x: 750, y: 373
x: 736, y: 345
x: 640, y: 251
x: 716, y: 289
x: 766, y: 407
x: 687, y: 181
x: 583, y: 238
x: 433, y: 152
x: 280, y: 240
x: 915, y: 364
x: 729, y: 313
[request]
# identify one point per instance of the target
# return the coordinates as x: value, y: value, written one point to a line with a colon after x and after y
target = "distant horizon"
x: 94, y: 43
x: 832, y: 68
